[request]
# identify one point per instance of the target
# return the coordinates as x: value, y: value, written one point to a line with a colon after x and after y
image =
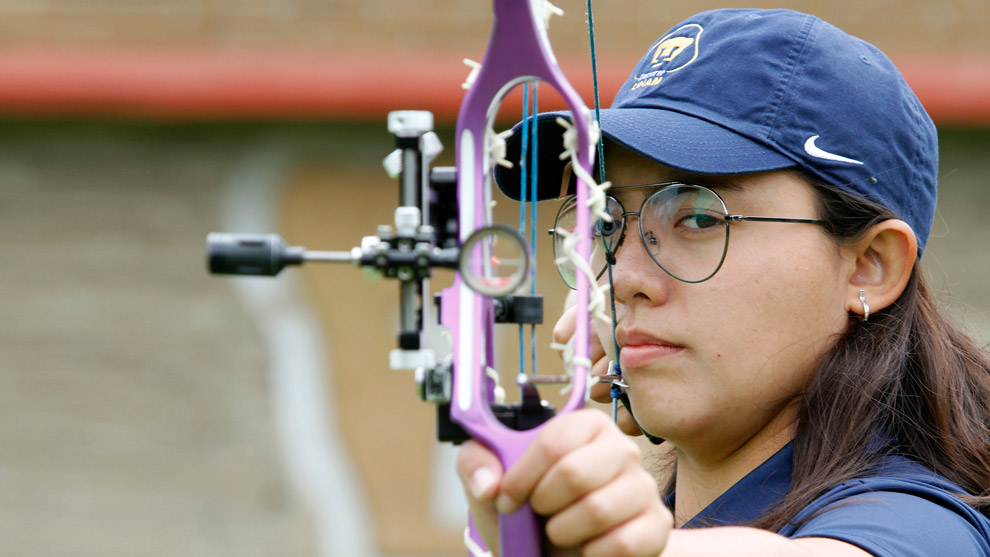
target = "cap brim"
x: 674, y: 139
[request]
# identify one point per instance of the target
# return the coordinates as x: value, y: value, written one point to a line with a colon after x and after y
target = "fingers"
x: 645, y: 535
x: 624, y: 419
x: 479, y: 469
x: 600, y: 518
x: 558, y: 439
x: 584, y: 470
x: 587, y: 478
x: 601, y: 392
x: 563, y: 330
x: 601, y: 353
x: 626, y: 423
x: 480, y: 472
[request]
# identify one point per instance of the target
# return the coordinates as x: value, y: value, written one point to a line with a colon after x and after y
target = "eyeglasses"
x: 684, y: 228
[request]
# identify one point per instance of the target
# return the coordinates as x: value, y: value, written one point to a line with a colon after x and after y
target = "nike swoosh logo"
x: 814, y: 151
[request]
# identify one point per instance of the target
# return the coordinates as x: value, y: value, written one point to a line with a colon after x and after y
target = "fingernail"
x: 505, y: 504
x: 481, y: 481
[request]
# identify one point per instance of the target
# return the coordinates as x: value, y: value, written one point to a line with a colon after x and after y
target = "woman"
x: 815, y: 400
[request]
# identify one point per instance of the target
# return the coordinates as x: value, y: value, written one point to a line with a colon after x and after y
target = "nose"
x: 636, y: 278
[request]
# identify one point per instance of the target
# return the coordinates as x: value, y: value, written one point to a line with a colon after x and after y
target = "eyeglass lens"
x: 682, y: 227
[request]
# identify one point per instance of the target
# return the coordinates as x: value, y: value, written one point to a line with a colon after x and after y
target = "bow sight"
x: 493, y: 261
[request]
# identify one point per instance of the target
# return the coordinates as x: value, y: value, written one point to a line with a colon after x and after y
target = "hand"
x: 602, y: 336
x: 585, y: 477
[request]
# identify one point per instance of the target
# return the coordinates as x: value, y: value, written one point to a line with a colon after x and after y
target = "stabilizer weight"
x: 250, y: 254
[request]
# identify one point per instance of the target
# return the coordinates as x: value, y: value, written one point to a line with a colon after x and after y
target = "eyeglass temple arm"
x: 772, y: 219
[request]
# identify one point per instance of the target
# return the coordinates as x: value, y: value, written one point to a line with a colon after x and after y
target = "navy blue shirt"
x: 902, y: 509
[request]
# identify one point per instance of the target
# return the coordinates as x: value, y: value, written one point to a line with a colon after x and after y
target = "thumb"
x: 481, y: 473
x: 480, y: 470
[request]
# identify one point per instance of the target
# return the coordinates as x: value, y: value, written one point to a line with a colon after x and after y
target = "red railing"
x: 177, y: 84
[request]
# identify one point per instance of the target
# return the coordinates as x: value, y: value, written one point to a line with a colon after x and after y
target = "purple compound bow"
x: 518, y: 51
x: 438, y: 226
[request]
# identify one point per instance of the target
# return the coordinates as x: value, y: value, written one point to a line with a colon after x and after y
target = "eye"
x: 606, y: 228
x: 700, y: 221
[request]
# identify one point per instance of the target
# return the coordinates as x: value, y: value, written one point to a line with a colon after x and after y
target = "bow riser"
x: 528, y: 58
x: 518, y: 51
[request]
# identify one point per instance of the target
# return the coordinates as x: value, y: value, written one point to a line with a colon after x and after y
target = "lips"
x: 638, y: 348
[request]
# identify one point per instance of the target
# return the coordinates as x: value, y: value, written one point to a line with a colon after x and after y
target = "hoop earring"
x: 866, y: 307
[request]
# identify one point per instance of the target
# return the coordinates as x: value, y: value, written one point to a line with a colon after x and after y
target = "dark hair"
x: 906, y: 382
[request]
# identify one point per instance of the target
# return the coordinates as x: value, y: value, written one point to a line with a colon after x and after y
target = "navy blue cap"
x: 741, y: 91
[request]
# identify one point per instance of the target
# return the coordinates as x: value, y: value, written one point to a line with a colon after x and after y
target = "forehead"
x: 625, y: 168
x: 631, y: 188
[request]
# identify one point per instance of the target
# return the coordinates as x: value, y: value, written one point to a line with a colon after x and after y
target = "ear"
x: 884, y: 259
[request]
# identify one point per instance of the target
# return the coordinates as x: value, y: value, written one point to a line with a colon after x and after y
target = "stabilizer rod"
x: 260, y: 254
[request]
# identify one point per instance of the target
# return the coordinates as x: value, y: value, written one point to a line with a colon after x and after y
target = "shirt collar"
x: 750, y: 497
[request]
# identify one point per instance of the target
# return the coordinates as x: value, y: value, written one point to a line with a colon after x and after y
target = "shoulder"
x: 902, y: 509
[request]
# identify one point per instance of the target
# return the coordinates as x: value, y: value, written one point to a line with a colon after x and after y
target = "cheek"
x: 781, y: 275
x: 782, y: 310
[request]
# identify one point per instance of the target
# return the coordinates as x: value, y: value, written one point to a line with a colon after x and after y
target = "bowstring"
x: 529, y: 180
x: 615, y: 392
x: 594, y: 79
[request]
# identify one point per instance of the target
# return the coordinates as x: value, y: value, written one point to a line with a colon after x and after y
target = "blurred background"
x: 148, y: 409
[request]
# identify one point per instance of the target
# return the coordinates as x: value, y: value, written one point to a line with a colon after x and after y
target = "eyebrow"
x: 724, y: 183
x: 710, y: 182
